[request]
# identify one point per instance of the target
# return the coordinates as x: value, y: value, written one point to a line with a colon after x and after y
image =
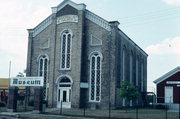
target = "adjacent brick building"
x: 83, y: 58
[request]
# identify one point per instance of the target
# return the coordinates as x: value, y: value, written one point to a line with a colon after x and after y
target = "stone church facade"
x: 83, y: 59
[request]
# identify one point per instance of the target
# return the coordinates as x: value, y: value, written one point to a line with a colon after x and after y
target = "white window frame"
x: 123, y: 64
x: 68, y: 88
x: 66, y: 47
x: 137, y: 72
x: 131, y: 67
x: 142, y: 77
x: 45, y: 80
x: 95, y: 91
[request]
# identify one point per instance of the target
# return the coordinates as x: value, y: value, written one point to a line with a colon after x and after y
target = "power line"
x: 151, y: 17
x: 164, y: 11
x: 153, y: 20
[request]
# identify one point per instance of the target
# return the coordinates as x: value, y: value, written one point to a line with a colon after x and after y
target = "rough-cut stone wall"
x: 111, y: 50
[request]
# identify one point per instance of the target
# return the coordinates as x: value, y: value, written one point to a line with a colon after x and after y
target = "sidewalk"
x: 31, y: 114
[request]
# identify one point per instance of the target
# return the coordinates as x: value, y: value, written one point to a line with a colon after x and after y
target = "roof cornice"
x: 167, y: 75
x: 97, y: 20
x: 132, y: 42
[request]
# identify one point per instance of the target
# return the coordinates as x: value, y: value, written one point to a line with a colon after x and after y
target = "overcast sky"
x: 152, y: 24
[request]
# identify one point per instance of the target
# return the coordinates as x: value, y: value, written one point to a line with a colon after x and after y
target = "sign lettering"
x: 67, y: 18
x: 27, y: 81
x: 173, y: 82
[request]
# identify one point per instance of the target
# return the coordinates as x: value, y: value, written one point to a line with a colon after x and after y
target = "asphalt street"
x: 8, y: 117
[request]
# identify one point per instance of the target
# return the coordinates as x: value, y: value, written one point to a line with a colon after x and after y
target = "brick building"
x: 83, y: 58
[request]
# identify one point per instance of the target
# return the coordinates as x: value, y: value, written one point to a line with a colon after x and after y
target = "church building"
x: 84, y: 58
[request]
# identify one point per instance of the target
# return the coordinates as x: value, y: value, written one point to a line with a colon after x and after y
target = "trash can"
x: 44, y: 106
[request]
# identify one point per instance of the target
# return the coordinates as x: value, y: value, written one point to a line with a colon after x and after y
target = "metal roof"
x: 167, y: 75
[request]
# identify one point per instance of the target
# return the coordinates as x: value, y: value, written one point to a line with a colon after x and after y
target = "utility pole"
x: 9, y: 71
x: 179, y: 102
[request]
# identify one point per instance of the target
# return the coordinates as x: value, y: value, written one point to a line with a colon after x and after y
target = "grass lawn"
x: 124, y: 114
x: 41, y: 116
x: 102, y: 114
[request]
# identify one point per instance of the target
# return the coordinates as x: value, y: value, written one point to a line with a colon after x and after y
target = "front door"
x: 64, y: 92
x: 64, y: 97
x: 168, y: 94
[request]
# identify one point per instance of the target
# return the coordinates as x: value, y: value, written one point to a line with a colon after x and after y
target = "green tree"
x: 20, y: 74
x: 128, y: 91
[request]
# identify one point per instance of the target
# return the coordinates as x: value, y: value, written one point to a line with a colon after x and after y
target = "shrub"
x: 160, y: 106
x: 2, y: 104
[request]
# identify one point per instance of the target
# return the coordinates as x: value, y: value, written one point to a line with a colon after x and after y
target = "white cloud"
x: 166, y: 47
x: 16, y: 16
x: 163, y: 57
x: 172, y: 2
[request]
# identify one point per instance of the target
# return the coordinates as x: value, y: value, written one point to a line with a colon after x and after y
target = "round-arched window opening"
x: 65, y: 82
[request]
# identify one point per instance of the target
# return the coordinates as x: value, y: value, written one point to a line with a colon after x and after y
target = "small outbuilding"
x: 168, y: 87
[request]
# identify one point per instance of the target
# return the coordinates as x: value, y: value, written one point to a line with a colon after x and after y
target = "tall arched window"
x: 43, y: 71
x: 95, y: 77
x: 142, y: 77
x: 137, y: 71
x: 66, y: 39
x: 131, y: 67
x: 123, y: 64
x: 123, y: 68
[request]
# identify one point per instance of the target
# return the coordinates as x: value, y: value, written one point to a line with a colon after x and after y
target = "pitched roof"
x: 167, y: 75
x: 68, y: 2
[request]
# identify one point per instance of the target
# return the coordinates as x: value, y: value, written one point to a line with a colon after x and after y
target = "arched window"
x: 43, y: 71
x: 142, y: 77
x: 131, y: 67
x: 137, y: 71
x: 65, y: 82
x: 123, y: 68
x: 66, y: 39
x: 95, y: 77
x: 123, y: 63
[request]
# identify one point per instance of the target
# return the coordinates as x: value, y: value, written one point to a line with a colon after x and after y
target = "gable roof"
x: 68, y: 2
x: 89, y: 15
x: 167, y: 75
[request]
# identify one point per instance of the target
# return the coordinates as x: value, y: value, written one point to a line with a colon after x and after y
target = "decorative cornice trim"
x: 97, y: 20
x: 45, y: 23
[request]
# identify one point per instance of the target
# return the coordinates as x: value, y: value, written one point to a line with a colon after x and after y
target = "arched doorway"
x: 64, y: 92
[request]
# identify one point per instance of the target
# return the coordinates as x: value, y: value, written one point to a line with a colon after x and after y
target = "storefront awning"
x: 4, y: 84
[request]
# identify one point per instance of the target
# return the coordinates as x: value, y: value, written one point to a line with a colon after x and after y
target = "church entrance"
x: 64, y: 93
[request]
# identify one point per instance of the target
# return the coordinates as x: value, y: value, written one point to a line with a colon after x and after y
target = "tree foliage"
x: 20, y: 74
x: 128, y: 91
